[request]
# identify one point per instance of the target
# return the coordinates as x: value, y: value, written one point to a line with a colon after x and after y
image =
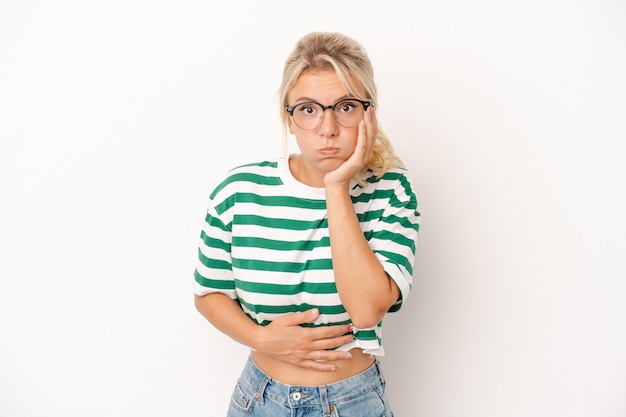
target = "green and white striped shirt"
x: 265, y: 243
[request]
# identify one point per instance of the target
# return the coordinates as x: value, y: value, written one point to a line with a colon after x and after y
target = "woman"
x: 301, y: 257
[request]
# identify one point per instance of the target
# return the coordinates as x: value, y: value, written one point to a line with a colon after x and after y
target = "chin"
x: 330, y: 164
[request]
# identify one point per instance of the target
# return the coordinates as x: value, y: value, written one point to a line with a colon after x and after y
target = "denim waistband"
x: 323, y: 396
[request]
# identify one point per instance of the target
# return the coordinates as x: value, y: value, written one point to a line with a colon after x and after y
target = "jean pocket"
x: 371, y: 403
x: 240, y: 400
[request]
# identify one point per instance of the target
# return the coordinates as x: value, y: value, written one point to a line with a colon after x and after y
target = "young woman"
x: 301, y: 257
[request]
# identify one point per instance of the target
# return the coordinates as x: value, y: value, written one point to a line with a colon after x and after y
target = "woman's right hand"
x: 286, y: 340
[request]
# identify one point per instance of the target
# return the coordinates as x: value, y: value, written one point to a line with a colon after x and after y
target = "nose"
x: 329, y: 126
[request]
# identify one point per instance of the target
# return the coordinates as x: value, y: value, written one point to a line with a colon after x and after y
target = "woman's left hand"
x: 366, y: 136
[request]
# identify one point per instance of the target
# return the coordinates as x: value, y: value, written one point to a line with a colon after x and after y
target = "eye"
x: 307, y: 109
x: 346, y: 106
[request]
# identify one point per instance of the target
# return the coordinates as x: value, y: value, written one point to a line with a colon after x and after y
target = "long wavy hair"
x: 349, y: 60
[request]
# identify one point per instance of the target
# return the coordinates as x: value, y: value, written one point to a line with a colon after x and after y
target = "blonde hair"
x: 349, y: 60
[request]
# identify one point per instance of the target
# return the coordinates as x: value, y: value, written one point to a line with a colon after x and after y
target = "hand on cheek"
x: 366, y: 137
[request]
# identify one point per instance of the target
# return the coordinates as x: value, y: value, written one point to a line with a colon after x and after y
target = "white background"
x: 117, y: 118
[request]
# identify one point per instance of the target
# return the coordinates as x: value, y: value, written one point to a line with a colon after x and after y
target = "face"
x: 326, y: 147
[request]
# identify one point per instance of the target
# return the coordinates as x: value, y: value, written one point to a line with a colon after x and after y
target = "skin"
x: 331, y: 155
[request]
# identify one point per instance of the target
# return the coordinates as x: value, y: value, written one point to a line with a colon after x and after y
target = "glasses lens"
x: 308, y: 115
x: 349, y: 113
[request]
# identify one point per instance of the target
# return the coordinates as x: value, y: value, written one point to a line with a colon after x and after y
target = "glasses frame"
x: 364, y: 103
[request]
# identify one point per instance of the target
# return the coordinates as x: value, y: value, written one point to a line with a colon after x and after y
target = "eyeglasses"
x: 348, y: 112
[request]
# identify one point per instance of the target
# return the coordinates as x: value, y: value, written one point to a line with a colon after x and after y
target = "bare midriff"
x: 294, y: 375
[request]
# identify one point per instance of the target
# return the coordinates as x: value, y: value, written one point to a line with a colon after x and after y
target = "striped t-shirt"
x: 265, y: 243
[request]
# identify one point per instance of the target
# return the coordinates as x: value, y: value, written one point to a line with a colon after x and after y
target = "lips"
x: 329, y: 151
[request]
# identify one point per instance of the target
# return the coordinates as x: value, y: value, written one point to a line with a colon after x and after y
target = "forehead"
x: 318, y: 85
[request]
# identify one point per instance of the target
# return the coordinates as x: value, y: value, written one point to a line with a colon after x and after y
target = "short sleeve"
x: 394, y: 237
x: 213, y: 271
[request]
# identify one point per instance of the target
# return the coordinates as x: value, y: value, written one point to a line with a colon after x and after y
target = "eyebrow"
x: 309, y: 99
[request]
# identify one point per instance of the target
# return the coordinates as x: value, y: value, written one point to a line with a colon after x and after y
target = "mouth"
x: 329, y: 151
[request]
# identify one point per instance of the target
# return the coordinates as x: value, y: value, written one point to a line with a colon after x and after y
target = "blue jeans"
x: 258, y: 395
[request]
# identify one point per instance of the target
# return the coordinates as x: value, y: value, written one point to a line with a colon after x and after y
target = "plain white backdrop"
x: 117, y: 118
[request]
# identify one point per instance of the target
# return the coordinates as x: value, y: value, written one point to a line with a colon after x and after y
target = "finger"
x: 371, y: 115
x: 369, y: 133
x: 297, y: 319
x: 371, y: 130
x: 326, y: 332
x: 331, y: 355
x: 319, y: 366
x: 330, y: 343
x: 361, y: 148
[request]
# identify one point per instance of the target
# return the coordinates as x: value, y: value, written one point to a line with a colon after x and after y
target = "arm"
x: 365, y: 289
x: 284, y: 338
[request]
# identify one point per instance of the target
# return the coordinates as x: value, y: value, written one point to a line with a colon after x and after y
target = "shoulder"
x: 390, y: 179
x: 248, y: 175
x: 395, y: 184
x: 248, y: 172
